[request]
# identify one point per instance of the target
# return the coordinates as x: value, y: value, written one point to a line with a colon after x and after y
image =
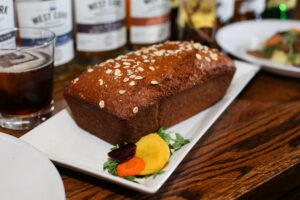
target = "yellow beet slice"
x: 154, y: 151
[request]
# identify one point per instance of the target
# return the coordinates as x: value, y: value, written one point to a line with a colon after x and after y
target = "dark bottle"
x: 229, y: 11
x: 174, y: 17
x: 282, y: 9
x: 225, y: 12
x: 248, y: 9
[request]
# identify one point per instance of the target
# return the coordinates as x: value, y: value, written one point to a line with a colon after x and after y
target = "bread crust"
x: 135, y: 94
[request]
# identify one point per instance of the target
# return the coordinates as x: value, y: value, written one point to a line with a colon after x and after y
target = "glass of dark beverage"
x: 26, y: 77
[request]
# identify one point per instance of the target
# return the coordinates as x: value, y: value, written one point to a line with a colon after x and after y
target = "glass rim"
x: 52, y: 37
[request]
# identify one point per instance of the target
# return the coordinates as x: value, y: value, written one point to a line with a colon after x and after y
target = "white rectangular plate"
x: 70, y: 146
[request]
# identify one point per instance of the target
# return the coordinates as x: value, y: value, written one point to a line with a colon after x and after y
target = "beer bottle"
x: 225, y: 11
x: 7, y: 20
x: 55, y: 15
x: 100, y: 29
x: 148, y: 22
x: 282, y: 9
x: 174, y: 17
x: 197, y: 21
x: 229, y: 11
x: 248, y: 9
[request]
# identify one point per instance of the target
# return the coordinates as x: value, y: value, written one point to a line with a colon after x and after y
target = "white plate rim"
x: 267, y: 65
x: 30, y: 148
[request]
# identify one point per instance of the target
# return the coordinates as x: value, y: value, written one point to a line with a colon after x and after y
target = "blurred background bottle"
x: 55, y: 15
x: 7, y: 20
x: 225, y: 12
x: 7, y: 14
x: 282, y: 9
x: 100, y: 29
x: 248, y: 9
x: 174, y: 19
x: 148, y: 22
x: 197, y: 20
x: 229, y: 11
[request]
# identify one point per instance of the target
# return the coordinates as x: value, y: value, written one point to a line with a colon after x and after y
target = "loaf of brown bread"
x: 135, y: 94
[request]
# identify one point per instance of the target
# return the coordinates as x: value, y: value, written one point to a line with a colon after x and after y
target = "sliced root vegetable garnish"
x: 123, y: 153
x: 274, y: 40
x: 154, y: 151
x: 132, y: 167
x: 145, y: 158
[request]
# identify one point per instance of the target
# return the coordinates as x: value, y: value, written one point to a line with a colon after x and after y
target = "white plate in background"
x: 239, y: 37
x: 25, y: 173
x: 67, y: 144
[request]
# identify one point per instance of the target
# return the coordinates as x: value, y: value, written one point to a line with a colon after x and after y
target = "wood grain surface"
x: 251, y: 152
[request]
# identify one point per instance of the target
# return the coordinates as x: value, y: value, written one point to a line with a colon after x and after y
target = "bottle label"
x: 6, y: 14
x: 256, y: 6
x: 225, y: 10
x: 7, y: 40
x: 55, y: 15
x: 149, y: 21
x: 100, y: 24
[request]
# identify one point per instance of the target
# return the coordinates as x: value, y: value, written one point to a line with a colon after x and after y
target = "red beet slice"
x: 124, y: 153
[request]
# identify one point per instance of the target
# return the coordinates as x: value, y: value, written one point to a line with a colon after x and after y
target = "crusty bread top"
x: 126, y: 85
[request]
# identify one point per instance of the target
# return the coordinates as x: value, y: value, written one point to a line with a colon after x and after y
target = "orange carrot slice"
x: 131, y: 167
x: 274, y: 40
x: 295, y: 30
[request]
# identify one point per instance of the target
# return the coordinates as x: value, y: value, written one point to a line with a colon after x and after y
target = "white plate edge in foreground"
x: 29, y: 152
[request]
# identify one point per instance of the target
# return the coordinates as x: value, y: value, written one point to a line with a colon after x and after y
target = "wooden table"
x: 251, y: 152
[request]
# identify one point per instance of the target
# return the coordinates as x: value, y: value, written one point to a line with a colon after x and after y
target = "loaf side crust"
x: 135, y: 94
